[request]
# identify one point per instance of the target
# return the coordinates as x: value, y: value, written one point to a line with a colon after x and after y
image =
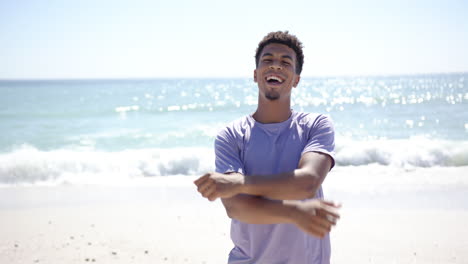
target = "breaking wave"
x: 27, y: 165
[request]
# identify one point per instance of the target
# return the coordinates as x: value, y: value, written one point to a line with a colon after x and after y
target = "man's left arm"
x: 301, y: 183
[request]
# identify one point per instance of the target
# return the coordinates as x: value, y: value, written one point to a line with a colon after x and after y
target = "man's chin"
x: 272, y: 96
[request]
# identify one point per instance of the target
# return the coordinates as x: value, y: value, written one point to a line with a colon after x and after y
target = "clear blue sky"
x: 215, y: 38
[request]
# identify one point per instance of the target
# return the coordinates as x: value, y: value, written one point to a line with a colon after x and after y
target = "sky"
x: 80, y: 39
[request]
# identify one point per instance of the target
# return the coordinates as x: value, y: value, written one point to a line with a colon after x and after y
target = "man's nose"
x: 276, y: 66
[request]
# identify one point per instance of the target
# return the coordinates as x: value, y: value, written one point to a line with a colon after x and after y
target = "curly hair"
x: 282, y: 37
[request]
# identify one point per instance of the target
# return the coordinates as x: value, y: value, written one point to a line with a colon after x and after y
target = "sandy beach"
x: 170, y: 223
x: 131, y: 231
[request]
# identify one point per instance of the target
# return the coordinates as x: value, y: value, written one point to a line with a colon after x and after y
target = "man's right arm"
x: 315, y: 217
x: 257, y: 210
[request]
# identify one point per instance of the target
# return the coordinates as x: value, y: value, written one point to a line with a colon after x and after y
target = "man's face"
x: 276, y: 71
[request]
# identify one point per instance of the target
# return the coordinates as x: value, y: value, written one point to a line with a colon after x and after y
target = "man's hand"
x: 216, y: 185
x: 315, y: 217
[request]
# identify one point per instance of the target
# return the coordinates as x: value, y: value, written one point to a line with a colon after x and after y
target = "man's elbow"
x: 309, y: 187
x: 231, y: 207
x: 230, y: 213
x: 306, y: 193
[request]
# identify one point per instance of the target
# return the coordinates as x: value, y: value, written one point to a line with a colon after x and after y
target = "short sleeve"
x: 321, y: 137
x: 227, y: 152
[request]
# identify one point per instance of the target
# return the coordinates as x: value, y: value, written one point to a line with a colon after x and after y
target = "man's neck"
x: 272, y: 111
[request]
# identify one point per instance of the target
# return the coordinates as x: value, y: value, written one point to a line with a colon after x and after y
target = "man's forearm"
x: 298, y: 184
x: 258, y: 210
x: 315, y: 217
x: 294, y: 185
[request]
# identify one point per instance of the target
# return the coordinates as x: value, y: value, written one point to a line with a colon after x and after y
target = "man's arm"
x: 315, y: 217
x: 301, y: 183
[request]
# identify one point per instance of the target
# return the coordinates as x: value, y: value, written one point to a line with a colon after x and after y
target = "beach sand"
x: 173, y: 224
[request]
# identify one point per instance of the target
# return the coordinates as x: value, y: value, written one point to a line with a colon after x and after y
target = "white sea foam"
x: 29, y: 166
x: 416, y: 151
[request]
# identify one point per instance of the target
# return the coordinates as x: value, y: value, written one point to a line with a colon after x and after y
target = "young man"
x: 270, y: 167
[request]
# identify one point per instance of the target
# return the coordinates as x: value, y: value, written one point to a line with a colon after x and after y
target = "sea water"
x: 121, y: 131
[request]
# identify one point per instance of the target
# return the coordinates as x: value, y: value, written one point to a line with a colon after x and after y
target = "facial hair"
x: 272, y: 96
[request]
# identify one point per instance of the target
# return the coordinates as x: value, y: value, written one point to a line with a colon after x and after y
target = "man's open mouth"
x: 273, y: 79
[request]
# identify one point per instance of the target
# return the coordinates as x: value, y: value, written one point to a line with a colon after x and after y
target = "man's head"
x: 279, y: 60
x: 282, y: 37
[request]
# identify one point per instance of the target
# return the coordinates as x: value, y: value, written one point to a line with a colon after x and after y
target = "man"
x: 270, y: 164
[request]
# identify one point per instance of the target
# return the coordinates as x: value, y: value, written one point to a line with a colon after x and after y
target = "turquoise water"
x: 51, y: 130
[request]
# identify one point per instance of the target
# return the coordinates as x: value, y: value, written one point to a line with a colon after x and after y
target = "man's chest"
x: 265, y: 153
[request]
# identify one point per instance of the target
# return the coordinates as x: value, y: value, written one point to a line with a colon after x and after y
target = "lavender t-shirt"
x: 252, y: 148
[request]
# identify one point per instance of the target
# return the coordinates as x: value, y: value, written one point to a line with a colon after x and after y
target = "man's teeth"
x: 274, y: 78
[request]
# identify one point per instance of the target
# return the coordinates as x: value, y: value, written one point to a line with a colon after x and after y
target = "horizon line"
x: 226, y: 77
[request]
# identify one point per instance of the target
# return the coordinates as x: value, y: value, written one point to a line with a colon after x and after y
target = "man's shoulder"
x: 236, y: 127
x: 311, y: 119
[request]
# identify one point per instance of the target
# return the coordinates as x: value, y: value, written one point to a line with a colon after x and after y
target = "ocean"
x: 106, y: 132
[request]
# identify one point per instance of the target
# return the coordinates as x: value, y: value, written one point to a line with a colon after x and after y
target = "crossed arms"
x: 276, y: 198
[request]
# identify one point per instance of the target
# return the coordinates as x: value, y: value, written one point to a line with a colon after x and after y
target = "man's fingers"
x: 328, y: 215
x: 332, y: 204
x: 323, y: 222
x: 201, y: 179
x: 212, y: 197
x: 326, y: 210
x: 209, y: 191
x: 204, y: 186
x: 317, y: 225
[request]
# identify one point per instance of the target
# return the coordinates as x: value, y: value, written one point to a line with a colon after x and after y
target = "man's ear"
x: 296, y: 82
x: 255, y: 75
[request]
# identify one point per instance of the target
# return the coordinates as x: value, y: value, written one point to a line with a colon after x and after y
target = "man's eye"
x: 286, y: 63
x: 267, y: 60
